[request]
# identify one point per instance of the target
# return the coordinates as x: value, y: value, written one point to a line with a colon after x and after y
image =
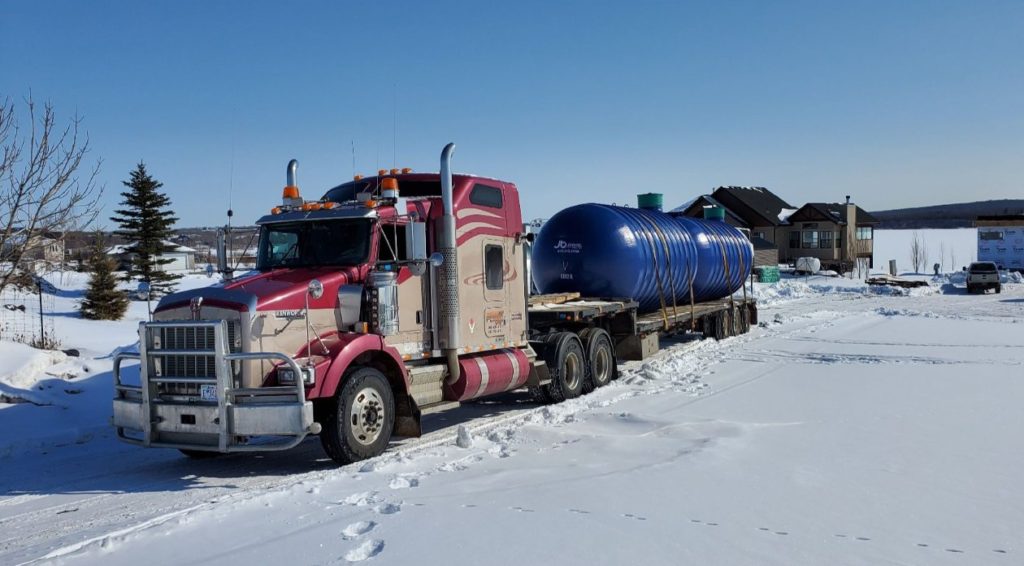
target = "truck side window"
x: 485, y: 195
x: 494, y: 267
x: 392, y: 243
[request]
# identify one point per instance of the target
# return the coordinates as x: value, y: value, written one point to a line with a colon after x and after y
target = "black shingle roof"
x: 757, y: 200
x: 837, y: 212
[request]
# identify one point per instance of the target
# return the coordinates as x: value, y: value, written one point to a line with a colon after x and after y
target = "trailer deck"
x: 636, y: 335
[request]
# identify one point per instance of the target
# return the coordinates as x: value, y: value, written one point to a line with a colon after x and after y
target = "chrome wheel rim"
x: 602, y: 367
x: 572, y: 370
x: 367, y: 416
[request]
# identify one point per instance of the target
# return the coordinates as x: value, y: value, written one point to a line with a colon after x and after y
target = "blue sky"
x: 896, y: 103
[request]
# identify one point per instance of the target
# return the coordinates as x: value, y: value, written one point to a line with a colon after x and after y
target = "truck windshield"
x: 983, y: 267
x: 314, y: 244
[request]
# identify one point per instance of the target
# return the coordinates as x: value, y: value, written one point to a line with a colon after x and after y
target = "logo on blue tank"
x: 564, y: 247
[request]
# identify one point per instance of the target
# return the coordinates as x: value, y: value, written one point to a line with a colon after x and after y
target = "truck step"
x: 425, y: 384
x: 438, y: 407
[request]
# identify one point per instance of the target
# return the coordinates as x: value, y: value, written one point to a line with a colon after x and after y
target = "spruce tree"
x: 103, y: 300
x: 146, y: 222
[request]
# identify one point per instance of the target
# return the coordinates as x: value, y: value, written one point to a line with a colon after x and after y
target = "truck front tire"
x: 361, y: 417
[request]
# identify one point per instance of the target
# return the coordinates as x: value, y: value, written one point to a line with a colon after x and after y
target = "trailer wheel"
x: 567, y: 366
x: 360, y: 418
x: 999, y: 288
x: 601, y: 366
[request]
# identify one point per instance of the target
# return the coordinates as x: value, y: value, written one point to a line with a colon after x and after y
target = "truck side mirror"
x: 436, y: 259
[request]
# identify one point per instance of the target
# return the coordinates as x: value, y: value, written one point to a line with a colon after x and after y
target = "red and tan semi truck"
x: 391, y: 297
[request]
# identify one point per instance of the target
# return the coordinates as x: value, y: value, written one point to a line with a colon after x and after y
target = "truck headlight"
x: 286, y: 375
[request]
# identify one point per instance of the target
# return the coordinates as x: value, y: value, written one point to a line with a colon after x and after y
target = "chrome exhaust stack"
x: 449, y: 339
x: 293, y: 168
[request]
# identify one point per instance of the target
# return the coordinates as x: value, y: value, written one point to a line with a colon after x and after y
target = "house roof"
x: 174, y: 248
x: 758, y: 200
x: 836, y: 212
x: 698, y: 204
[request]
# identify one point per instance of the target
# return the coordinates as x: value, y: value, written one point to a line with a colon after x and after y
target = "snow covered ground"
x: 855, y: 425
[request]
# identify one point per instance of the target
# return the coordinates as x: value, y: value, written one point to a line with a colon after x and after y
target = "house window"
x: 494, y: 266
x: 864, y: 232
x: 810, y: 239
x: 759, y: 235
x: 794, y: 239
x: 825, y: 239
x: 839, y: 239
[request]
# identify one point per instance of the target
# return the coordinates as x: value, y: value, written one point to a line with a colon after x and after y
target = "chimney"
x: 850, y: 241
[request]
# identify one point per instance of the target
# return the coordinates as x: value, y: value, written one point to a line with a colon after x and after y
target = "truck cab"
x: 388, y: 297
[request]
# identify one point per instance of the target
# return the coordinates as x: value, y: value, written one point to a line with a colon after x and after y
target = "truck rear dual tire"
x: 601, y: 365
x: 360, y: 418
x: 566, y: 361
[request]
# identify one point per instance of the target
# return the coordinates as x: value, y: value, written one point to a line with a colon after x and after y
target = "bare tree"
x: 952, y: 258
x: 42, y: 194
x: 918, y: 253
x: 942, y: 255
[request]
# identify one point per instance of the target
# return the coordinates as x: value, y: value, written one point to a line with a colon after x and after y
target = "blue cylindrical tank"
x: 609, y: 251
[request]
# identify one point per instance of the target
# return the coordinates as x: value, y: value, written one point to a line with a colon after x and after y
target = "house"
x: 817, y: 229
x: 182, y: 258
x: 840, y: 235
x: 1001, y: 240
x: 756, y: 210
x: 38, y: 248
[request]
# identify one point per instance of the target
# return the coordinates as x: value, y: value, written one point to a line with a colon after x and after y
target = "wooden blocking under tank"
x: 637, y: 347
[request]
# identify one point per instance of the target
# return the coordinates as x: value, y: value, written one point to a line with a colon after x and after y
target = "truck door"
x: 497, y: 262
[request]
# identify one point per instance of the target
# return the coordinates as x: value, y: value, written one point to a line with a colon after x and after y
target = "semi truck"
x: 389, y: 298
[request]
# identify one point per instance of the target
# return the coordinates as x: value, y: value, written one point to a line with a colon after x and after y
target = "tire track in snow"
x: 122, y: 519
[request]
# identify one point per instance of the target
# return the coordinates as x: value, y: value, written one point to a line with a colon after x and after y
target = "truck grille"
x: 180, y: 365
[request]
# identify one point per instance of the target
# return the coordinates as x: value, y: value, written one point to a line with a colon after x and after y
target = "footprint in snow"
x: 387, y: 508
x: 634, y: 517
x: 403, y: 482
x: 521, y: 509
x: 580, y: 511
x: 368, y: 549
x: 356, y: 529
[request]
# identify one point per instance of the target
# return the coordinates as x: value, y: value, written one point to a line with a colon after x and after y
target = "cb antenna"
x: 394, y: 125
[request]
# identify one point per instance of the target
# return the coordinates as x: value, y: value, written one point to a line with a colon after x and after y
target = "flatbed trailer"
x: 635, y: 335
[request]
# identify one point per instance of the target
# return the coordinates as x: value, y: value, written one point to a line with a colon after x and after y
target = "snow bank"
x: 769, y: 294
x: 23, y: 366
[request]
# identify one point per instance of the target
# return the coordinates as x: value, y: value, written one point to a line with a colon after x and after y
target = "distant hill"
x: 960, y: 215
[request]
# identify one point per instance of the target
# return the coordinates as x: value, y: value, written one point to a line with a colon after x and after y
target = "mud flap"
x: 407, y: 419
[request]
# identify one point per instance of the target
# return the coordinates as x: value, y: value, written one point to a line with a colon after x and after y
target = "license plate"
x: 208, y: 392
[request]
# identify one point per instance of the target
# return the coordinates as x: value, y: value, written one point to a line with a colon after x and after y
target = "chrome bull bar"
x: 278, y: 417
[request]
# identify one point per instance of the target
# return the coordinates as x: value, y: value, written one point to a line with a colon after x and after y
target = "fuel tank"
x: 609, y: 251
